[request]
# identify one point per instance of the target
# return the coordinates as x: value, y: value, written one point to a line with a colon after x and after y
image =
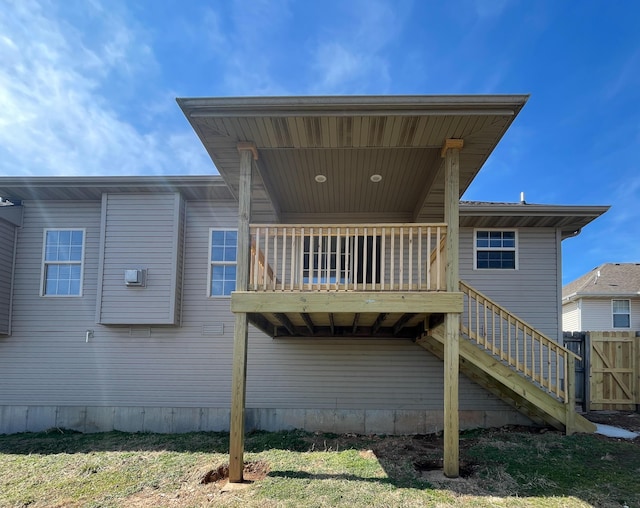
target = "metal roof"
x: 349, y: 139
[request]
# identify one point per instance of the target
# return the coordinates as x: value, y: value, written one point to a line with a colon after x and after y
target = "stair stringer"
x: 504, y: 382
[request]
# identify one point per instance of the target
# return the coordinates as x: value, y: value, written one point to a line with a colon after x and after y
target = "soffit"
x: 569, y: 219
x: 348, y: 139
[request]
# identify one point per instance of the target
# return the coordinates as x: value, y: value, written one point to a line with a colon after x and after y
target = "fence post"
x: 587, y: 370
x: 570, y: 388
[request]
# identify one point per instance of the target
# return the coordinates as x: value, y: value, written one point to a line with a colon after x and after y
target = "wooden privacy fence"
x: 614, y: 370
x: 340, y: 257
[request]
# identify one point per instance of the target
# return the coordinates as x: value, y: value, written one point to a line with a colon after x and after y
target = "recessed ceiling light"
x: 376, y: 178
x: 321, y: 178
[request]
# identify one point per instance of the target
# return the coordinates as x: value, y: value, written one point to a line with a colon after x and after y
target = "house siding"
x: 531, y: 292
x: 178, y: 378
x: 571, y: 321
x: 141, y: 231
x: 596, y: 314
x: 7, y: 244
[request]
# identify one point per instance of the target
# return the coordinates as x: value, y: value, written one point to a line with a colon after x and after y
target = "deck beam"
x: 347, y: 302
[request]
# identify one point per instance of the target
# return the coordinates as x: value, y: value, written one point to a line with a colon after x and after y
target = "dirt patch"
x: 253, y: 471
x: 466, y: 469
x: 624, y: 419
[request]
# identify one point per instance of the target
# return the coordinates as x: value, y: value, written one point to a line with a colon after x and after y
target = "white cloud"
x: 57, y: 87
x: 353, y: 57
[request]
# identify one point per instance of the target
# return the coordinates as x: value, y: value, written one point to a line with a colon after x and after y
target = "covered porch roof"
x: 347, y: 140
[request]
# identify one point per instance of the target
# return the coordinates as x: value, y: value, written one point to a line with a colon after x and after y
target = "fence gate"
x: 577, y: 343
x: 614, y: 370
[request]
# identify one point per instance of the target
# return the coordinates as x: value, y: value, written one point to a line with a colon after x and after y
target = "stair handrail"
x: 538, y: 341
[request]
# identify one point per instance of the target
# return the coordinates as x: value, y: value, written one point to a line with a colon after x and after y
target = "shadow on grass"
x: 66, y: 441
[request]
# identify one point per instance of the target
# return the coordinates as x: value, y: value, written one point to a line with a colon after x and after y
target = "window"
x: 621, y: 311
x: 321, y: 258
x: 62, y: 262
x: 223, y: 260
x: 495, y: 249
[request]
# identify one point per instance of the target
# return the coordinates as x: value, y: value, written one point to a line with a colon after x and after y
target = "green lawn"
x: 501, y: 468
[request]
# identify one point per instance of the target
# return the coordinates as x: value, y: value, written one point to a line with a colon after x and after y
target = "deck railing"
x: 517, y: 343
x: 339, y: 257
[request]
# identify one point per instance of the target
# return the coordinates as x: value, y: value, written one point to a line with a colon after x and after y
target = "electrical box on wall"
x: 135, y: 277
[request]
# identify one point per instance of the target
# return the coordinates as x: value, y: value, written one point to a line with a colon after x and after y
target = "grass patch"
x: 504, y: 468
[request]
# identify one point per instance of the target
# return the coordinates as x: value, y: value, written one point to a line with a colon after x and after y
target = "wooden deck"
x: 345, y: 314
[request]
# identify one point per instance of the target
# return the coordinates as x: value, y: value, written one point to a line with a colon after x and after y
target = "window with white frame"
x: 621, y: 311
x: 223, y: 261
x: 495, y: 249
x: 62, y: 262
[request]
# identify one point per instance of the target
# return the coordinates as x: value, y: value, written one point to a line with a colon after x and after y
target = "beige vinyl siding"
x: 141, y: 231
x: 46, y: 359
x: 48, y: 362
x: 531, y: 291
x: 351, y: 374
x: 7, y: 243
x: 597, y: 314
x: 571, y: 321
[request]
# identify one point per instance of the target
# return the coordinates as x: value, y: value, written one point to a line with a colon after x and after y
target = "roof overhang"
x: 569, y: 219
x: 347, y: 140
x: 92, y: 187
x: 578, y: 296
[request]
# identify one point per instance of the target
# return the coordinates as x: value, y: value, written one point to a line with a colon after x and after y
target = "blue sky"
x: 88, y: 87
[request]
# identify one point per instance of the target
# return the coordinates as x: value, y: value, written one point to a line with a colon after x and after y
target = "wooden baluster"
x: 293, y: 250
x: 419, y: 258
x: 339, y: 259
x: 477, y: 330
x: 301, y: 268
x: 365, y: 249
x: 429, y: 288
x: 509, y: 336
x: 486, y: 327
x: 494, y: 349
x: 393, y: 257
x: 410, y: 274
x: 356, y: 273
x: 549, y: 367
x: 383, y: 254
x: 374, y: 259
x: 526, y: 351
x: 401, y: 259
x: 501, y: 322
x: 275, y: 259
x: 438, y: 278
x: 327, y: 261
x: 256, y: 261
x: 534, y: 366
x: 265, y: 264
x: 284, y: 257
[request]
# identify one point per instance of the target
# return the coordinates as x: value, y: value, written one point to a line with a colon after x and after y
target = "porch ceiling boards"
x: 348, y: 139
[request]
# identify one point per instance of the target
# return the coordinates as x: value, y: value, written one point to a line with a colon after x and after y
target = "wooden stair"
x: 499, y: 379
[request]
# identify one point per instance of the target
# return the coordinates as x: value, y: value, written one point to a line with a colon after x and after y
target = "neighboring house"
x: 605, y: 299
x: 336, y: 222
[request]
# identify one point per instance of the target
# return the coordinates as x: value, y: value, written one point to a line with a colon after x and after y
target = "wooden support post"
x: 451, y: 153
x: 570, y: 388
x: 239, y: 368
